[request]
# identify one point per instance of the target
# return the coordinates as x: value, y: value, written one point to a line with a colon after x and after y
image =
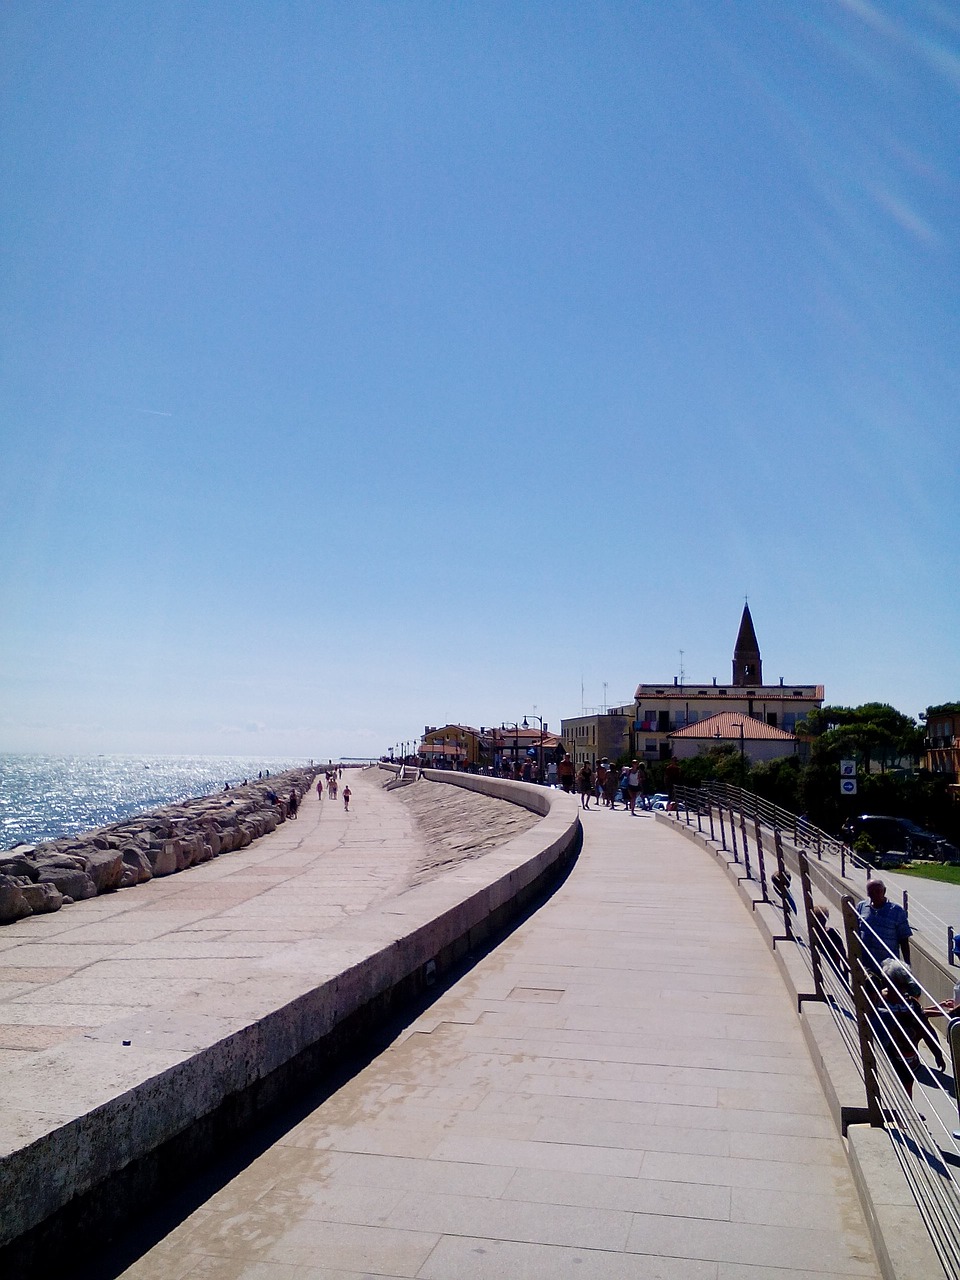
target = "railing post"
x: 782, y: 873
x: 906, y: 903
x: 713, y: 837
x: 743, y: 837
x: 723, y: 828
x: 851, y: 923
x: 733, y: 833
x: 813, y: 936
x: 760, y: 863
x: 699, y: 823
x: 950, y: 956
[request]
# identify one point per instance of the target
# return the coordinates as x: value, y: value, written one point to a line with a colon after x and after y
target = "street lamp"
x: 540, y: 757
x: 742, y: 766
x: 516, y: 735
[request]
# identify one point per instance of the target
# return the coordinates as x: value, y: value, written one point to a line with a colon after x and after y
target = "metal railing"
x: 865, y: 1005
x: 829, y: 852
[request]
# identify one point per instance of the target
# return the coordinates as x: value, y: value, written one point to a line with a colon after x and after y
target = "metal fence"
x: 874, y: 1019
x: 718, y: 798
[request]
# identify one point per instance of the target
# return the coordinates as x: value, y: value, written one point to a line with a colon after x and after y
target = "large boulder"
x: 105, y: 868
x: 163, y: 858
x: 18, y: 866
x: 134, y: 856
x: 43, y: 897
x: 71, y: 883
x: 13, y: 903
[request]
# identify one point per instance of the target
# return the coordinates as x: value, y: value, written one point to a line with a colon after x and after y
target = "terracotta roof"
x: 726, y: 725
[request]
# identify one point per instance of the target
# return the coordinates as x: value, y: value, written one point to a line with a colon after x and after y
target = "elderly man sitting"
x: 884, y: 928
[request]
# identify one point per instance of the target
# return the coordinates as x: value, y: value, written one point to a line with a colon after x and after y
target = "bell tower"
x: 747, y: 667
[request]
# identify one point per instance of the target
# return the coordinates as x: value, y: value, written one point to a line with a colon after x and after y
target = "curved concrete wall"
x: 189, y: 1076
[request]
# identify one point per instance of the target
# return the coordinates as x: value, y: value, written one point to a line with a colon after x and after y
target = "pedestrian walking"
x: 585, y: 783
x: 346, y: 798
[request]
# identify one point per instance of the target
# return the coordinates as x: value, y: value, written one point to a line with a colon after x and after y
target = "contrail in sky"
x: 157, y: 413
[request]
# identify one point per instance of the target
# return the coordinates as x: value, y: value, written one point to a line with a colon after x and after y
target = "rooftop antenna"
x: 681, y: 669
x: 604, y: 695
x: 583, y: 709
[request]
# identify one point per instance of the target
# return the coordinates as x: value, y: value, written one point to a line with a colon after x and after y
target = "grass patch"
x: 932, y: 871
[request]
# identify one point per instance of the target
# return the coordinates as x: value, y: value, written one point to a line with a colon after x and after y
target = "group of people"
x: 897, y: 1015
x: 606, y: 784
x: 331, y: 779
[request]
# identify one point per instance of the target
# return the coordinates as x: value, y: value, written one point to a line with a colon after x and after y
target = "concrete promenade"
x: 620, y: 1089
x: 144, y: 1029
x: 68, y: 975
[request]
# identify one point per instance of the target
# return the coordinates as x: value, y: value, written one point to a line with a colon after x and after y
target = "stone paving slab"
x: 620, y: 1089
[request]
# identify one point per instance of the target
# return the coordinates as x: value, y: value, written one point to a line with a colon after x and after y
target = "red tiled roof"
x: 726, y: 725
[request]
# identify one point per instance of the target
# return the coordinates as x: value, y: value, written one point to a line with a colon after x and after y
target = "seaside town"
x: 781, y: 739
x: 479, y: 692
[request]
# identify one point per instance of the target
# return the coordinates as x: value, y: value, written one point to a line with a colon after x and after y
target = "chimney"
x: 714, y: 681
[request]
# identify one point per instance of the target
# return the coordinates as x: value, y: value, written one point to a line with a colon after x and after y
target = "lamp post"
x: 540, y: 755
x: 742, y: 766
x: 516, y: 735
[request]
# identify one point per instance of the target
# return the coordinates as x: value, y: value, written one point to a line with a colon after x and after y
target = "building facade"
x: 942, y: 743
x: 663, y: 709
x: 604, y: 734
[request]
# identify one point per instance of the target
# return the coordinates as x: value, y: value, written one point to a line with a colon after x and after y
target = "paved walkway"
x: 88, y: 965
x: 618, y: 1090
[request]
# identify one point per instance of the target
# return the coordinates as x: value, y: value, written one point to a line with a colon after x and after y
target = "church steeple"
x: 747, y: 668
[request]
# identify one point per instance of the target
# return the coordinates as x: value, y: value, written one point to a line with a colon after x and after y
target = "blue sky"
x: 371, y: 365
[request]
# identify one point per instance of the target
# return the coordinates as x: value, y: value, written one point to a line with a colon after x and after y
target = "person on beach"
x: 346, y: 798
x: 292, y: 805
x: 319, y: 788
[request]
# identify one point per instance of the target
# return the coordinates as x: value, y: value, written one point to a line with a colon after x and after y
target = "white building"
x: 663, y: 709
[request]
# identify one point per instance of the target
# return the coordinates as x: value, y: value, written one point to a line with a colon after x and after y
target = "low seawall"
x: 112, y: 1119
x: 41, y: 878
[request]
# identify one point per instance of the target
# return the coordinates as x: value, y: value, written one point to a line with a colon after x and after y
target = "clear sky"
x: 369, y: 365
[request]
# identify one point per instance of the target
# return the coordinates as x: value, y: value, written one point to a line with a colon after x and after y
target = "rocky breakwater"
x: 46, y: 877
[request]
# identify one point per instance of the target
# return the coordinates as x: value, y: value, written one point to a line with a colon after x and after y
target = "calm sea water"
x: 43, y: 797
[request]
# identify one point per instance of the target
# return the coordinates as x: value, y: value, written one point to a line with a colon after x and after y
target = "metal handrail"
x: 928, y: 1163
x: 815, y: 842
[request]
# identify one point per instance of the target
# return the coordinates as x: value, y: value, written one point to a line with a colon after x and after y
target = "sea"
x: 45, y: 797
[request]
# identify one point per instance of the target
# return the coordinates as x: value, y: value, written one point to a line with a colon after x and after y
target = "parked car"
x: 659, y: 801
x: 900, y: 835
